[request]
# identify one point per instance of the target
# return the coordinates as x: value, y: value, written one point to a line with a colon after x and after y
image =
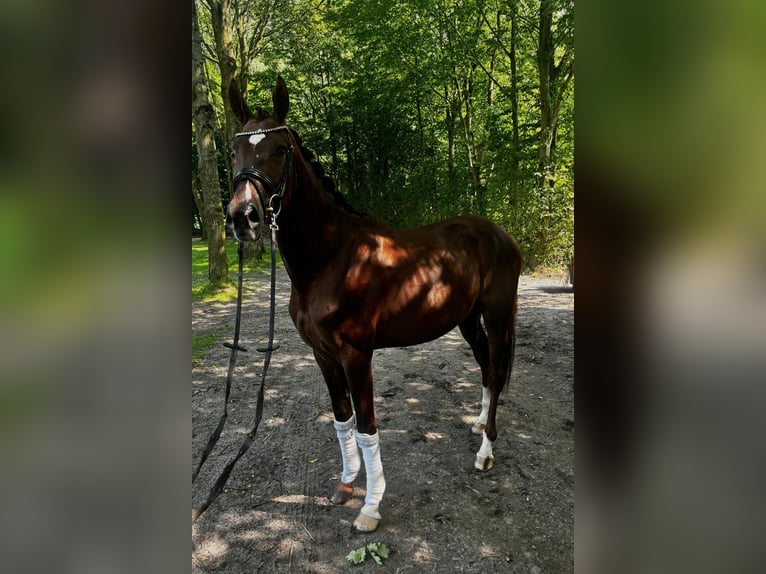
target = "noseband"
x: 276, y: 191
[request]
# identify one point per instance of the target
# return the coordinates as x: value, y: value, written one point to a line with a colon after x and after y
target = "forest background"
x: 419, y: 109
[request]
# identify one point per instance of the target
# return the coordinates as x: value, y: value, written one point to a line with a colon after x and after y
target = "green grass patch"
x: 202, y: 290
x: 207, y: 292
x: 202, y: 343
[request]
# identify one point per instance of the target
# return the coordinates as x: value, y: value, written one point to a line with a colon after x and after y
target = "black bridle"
x: 276, y: 191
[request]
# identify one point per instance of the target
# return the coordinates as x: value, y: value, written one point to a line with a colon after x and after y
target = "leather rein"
x: 276, y: 195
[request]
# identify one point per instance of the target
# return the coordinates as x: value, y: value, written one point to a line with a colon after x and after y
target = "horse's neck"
x: 311, y: 229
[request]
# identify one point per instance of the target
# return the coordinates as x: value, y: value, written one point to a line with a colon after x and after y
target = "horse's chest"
x: 310, y: 320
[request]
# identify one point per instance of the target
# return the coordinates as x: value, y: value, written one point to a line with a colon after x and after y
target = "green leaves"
x: 377, y: 550
x: 424, y: 110
x: 357, y: 556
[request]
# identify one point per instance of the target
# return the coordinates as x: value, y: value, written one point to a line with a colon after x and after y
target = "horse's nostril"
x: 252, y: 214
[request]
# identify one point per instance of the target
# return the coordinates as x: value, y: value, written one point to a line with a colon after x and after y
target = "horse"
x: 358, y: 285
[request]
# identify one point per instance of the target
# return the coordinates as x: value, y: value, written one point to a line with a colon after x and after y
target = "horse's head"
x: 262, y: 160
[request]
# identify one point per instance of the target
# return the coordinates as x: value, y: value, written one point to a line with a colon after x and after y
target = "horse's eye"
x: 281, y: 150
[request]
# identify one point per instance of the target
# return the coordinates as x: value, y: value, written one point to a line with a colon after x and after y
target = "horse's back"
x: 496, y: 249
x: 498, y: 256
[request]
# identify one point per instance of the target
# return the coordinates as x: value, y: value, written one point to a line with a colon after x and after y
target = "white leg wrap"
x: 481, y: 420
x: 486, y: 446
x: 376, y: 483
x: 346, y: 433
x: 484, y: 458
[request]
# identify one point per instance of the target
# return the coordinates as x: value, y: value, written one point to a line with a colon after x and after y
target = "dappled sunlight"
x: 468, y: 419
x: 386, y: 253
x: 389, y: 432
x: 302, y: 499
x: 274, y: 422
x: 212, y: 549
x: 461, y: 385
x: 325, y: 417
x: 426, y: 399
x: 423, y: 555
x: 487, y: 551
x: 277, y: 524
x: 419, y: 386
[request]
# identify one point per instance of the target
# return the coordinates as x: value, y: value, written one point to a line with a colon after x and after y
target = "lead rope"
x: 270, y: 347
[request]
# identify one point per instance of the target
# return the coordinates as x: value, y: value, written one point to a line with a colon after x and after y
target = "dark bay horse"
x: 359, y: 285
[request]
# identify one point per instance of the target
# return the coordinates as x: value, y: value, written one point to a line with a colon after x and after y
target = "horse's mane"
x: 327, y: 182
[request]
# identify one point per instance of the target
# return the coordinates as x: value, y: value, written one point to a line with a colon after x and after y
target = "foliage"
x: 378, y: 552
x: 426, y: 109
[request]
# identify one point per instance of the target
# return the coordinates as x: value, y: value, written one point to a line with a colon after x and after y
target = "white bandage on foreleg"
x: 346, y: 433
x: 485, y: 398
x: 376, y: 483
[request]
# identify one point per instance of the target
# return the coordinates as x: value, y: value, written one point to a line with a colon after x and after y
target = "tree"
x: 554, y: 81
x: 203, y: 117
x: 238, y: 37
x: 422, y: 109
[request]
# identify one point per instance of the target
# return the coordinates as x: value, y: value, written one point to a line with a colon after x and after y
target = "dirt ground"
x: 439, y: 514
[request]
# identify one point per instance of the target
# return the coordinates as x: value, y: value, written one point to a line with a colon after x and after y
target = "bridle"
x: 276, y: 191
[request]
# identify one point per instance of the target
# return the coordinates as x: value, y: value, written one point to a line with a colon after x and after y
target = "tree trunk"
x: 220, y: 19
x: 545, y: 64
x: 223, y: 33
x: 451, y: 122
x: 474, y: 151
x: 200, y: 205
x: 204, y: 121
x: 514, y: 96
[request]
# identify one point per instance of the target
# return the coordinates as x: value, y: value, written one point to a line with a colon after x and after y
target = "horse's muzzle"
x: 245, y: 221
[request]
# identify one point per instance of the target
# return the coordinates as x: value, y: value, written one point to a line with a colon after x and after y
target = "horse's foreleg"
x: 346, y: 433
x: 359, y: 375
x: 345, y: 426
x: 369, y: 517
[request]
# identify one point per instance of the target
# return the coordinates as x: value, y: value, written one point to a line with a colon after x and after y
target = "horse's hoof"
x: 478, y: 428
x: 484, y: 463
x: 364, y: 523
x: 342, y: 493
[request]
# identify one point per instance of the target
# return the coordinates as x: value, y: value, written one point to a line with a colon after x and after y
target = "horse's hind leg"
x: 501, y: 338
x: 473, y: 332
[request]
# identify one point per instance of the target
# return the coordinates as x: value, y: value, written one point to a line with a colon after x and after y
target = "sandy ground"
x: 439, y: 514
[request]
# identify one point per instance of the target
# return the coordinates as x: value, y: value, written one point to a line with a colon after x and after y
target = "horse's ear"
x: 281, y: 100
x: 238, y: 104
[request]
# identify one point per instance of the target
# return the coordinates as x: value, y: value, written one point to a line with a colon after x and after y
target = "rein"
x: 234, y: 346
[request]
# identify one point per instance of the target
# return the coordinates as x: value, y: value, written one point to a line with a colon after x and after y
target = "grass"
x: 202, y: 290
x: 202, y: 343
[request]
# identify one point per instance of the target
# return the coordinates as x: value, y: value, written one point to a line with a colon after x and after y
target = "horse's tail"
x: 512, y: 339
x: 516, y: 271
